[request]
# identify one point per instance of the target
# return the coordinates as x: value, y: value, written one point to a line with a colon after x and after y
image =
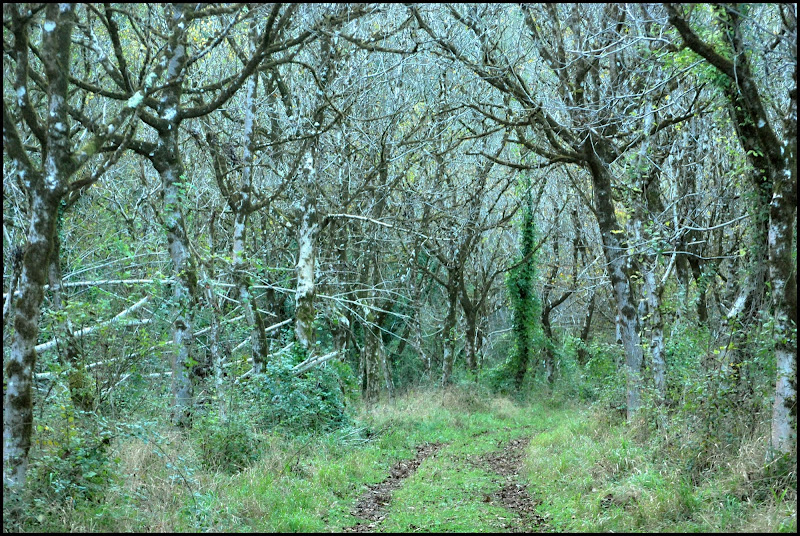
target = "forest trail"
x: 504, y: 465
x: 514, y: 495
x: 371, y: 506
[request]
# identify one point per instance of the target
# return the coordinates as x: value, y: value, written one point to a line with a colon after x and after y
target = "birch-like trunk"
x: 258, y: 336
x: 306, y: 259
x: 18, y: 404
x: 782, y: 275
x: 46, y: 187
x: 184, y: 284
x: 242, y: 209
x: 647, y: 183
x: 168, y: 162
x: 184, y: 290
x: 657, y: 347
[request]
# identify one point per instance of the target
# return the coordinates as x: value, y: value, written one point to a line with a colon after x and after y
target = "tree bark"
x: 46, y: 187
x: 583, y: 352
x: 371, y: 382
x: 18, y: 405
x: 306, y: 259
x: 615, y: 251
x: 449, y: 331
x: 783, y: 276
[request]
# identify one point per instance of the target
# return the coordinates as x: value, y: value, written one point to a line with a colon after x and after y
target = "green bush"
x: 499, y: 378
x: 78, y: 470
x: 228, y: 445
x: 605, y: 382
x: 313, y: 401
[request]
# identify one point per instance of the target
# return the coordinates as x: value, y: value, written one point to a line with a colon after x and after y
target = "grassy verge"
x: 445, y: 494
x: 591, y: 472
x: 304, y: 484
x: 598, y: 477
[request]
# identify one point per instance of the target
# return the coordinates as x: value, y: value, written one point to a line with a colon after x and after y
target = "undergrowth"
x: 590, y: 470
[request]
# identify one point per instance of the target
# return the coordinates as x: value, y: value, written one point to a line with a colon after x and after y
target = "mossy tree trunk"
x: 615, y: 250
x: 45, y: 176
x: 306, y: 261
x: 525, y: 304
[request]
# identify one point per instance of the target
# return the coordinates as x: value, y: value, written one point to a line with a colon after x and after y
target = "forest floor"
x: 457, y: 460
x: 505, y: 462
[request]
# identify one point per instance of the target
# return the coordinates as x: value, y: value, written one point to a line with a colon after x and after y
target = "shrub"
x: 313, y: 401
x: 78, y: 469
x: 605, y: 382
x: 228, y: 445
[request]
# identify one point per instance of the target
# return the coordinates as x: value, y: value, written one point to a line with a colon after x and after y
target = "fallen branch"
x: 313, y: 362
x: 267, y: 330
x: 86, y: 331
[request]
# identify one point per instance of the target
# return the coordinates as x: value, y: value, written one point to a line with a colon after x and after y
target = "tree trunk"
x: 549, y: 357
x: 471, y: 338
x: 783, y: 274
x: 46, y: 188
x: 449, y: 331
x: 386, y: 368
x: 657, y: 349
x: 215, y: 348
x: 242, y: 207
x: 417, y: 279
x: 258, y: 336
x: 584, y: 335
x: 616, y: 256
x: 18, y: 405
x: 306, y: 259
x: 184, y: 290
x: 371, y: 359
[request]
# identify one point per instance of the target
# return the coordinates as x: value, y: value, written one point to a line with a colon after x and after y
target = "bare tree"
x: 772, y: 151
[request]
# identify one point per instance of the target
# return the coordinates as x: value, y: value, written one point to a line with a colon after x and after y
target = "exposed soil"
x: 371, y: 507
x: 513, y: 496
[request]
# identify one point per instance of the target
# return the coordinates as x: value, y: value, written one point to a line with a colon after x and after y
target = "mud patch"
x: 513, y: 496
x: 371, y: 507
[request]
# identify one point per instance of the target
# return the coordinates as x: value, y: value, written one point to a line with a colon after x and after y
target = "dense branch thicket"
x: 278, y: 207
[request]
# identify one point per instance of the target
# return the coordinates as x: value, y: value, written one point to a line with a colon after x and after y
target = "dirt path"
x: 506, y: 463
x: 513, y: 496
x: 371, y: 507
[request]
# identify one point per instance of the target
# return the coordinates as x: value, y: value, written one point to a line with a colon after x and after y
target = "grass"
x: 598, y: 477
x: 592, y: 471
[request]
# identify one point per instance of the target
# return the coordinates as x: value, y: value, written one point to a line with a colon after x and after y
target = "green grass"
x: 455, y: 485
x: 591, y: 472
x: 598, y: 478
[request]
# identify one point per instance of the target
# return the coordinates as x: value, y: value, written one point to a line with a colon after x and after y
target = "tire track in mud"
x: 372, y: 505
x: 513, y: 495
